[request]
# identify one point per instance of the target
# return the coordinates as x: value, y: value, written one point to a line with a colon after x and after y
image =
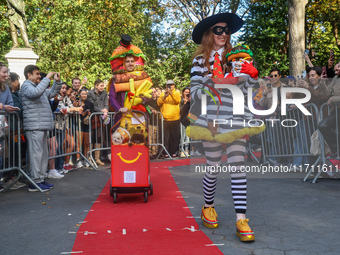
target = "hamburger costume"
x: 220, y: 106
x: 128, y: 89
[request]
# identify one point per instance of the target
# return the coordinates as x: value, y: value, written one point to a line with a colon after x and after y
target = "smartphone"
x: 168, y: 86
x: 307, y: 51
x: 188, y: 95
x: 299, y: 76
x: 304, y: 74
x: 269, y: 86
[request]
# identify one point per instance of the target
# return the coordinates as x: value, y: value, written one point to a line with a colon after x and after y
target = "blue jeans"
x: 271, y: 136
x: 60, y: 137
x: 300, y: 145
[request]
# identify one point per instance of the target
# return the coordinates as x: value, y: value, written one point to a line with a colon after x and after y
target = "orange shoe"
x: 243, y: 231
x: 209, y: 217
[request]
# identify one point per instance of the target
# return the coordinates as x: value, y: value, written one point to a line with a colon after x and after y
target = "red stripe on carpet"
x: 160, y: 226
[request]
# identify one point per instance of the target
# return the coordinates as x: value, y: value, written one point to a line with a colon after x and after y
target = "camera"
x: 168, y: 86
x: 77, y: 97
x: 306, y: 51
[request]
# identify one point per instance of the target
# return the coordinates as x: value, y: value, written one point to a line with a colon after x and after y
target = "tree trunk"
x: 336, y: 34
x: 296, y: 16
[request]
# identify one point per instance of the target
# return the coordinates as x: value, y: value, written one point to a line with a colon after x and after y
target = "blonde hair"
x: 261, y: 81
x: 207, y: 45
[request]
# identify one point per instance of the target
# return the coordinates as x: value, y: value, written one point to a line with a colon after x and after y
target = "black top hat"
x: 233, y: 21
x: 125, y: 40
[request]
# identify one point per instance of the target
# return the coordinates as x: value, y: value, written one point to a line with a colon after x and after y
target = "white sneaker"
x: 197, y: 153
x: 15, y: 186
x: 63, y: 171
x: 78, y: 165
x: 86, y: 164
x: 20, y: 184
x: 54, y: 174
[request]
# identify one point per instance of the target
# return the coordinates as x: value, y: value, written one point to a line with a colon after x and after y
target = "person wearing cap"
x: 169, y: 102
x: 291, y: 81
x: 210, y: 61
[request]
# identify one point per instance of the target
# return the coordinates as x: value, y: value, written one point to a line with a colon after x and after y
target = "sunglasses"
x: 218, y: 30
x: 246, y: 58
x: 274, y: 76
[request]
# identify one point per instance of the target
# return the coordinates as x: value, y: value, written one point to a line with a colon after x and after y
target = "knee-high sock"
x: 236, y: 153
x: 213, y: 153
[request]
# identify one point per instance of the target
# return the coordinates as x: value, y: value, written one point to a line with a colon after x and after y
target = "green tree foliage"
x: 76, y: 38
x: 5, y: 38
x: 173, y: 56
x: 322, y: 29
x: 266, y: 33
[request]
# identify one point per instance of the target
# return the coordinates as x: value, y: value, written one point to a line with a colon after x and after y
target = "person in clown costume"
x: 213, y: 61
x: 130, y: 86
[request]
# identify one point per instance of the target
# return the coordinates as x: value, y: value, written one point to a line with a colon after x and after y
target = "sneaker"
x: 32, y: 188
x: 68, y: 167
x: 166, y: 156
x: 197, y: 153
x: 1, y: 188
x: 243, y: 231
x: 78, y: 165
x: 182, y: 155
x: 20, y: 184
x: 192, y: 153
x: 16, y: 185
x: 85, y: 163
x: 174, y: 155
x: 48, y: 185
x: 54, y: 174
x: 209, y: 217
x: 62, y: 171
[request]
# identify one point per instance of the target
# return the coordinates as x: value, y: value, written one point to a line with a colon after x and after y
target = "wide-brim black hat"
x: 233, y: 21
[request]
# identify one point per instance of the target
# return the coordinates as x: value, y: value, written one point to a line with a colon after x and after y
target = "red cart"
x: 130, y: 169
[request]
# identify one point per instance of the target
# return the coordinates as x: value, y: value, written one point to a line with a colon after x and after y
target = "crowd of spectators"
x: 49, y: 136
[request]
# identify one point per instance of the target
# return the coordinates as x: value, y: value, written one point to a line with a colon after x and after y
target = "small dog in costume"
x: 117, y: 138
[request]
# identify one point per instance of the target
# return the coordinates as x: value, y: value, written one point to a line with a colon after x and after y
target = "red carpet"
x: 161, y: 226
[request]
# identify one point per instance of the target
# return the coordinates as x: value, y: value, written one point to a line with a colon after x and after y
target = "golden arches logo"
x: 129, y: 161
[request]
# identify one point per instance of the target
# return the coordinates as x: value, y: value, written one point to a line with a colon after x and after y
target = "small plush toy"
x: 137, y: 139
x: 125, y: 134
x: 117, y: 138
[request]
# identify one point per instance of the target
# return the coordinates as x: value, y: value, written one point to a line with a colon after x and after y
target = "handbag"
x: 315, y: 147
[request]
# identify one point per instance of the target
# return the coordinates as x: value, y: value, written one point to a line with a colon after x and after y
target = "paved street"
x: 288, y: 216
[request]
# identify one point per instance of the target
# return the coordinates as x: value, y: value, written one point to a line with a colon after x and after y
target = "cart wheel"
x: 151, y: 189
x: 115, y: 197
x: 111, y: 191
x: 145, y: 196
